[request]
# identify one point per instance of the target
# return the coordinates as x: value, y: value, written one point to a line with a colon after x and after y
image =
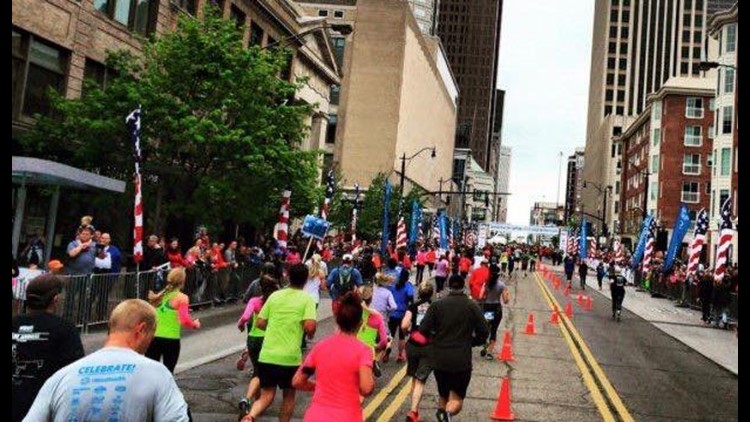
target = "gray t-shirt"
x: 494, y: 293
x: 113, y: 385
x: 84, y: 262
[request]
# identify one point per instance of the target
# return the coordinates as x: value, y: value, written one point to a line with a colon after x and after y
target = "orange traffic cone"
x: 506, y: 352
x: 530, y: 330
x: 502, y: 410
x: 566, y: 292
x: 579, y: 298
x: 555, y: 317
x: 589, y: 303
x: 569, y: 310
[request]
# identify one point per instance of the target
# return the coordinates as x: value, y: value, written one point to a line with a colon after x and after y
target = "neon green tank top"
x: 254, y: 331
x: 167, y: 320
x: 367, y: 334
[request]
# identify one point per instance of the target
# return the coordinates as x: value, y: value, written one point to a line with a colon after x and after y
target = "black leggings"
x: 394, y: 326
x: 164, y: 350
x: 440, y: 283
x: 420, y: 273
x: 496, y: 310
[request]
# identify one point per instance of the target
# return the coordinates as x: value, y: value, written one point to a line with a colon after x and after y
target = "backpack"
x: 345, y: 283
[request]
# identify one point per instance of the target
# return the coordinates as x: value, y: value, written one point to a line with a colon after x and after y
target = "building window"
x: 726, y: 120
x: 612, y: 47
x: 693, y: 136
x: 623, y: 64
x: 256, y: 34
x: 335, y: 94
x: 608, y: 95
x: 478, y: 214
x: 692, y: 164
x: 723, y: 196
x: 338, y: 50
x: 37, y: 66
x: 625, y: 32
x: 656, y: 111
x: 656, y: 137
x: 621, y: 79
x: 620, y: 95
x: 726, y: 161
x: 690, y: 192
x: 138, y: 15
x: 654, y: 164
x: 620, y: 110
x: 331, y: 130
x: 610, y: 78
x: 607, y: 110
x: 728, y: 81
x: 238, y: 16
x: 323, y: 13
x: 710, y: 160
x: 611, y: 63
x: 730, y: 38
x: 654, y: 191
x: 97, y: 73
x: 694, y: 108
x: 338, y: 14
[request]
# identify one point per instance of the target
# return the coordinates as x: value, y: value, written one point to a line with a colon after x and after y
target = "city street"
x: 656, y: 376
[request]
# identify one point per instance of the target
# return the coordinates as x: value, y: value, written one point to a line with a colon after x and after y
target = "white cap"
x: 348, y: 257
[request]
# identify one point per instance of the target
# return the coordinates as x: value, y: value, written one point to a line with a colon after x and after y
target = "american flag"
x: 282, y: 228
x: 469, y: 235
x: 355, y: 210
x: 401, y: 237
x: 133, y: 123
x: 650, y: 240
x: 726, y: 231
x: 619, y: 252
x: 330, y: 185
x: 592, y: 248
x: 435, y: 227
x: 699, y: 239
x: 573, y: 239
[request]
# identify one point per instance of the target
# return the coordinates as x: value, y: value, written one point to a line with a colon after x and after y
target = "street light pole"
x: 403, y: 173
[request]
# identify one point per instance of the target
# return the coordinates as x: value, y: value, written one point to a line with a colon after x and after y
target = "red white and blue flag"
x: 355, y: 210
x: 133, y: 123
x: 324, y: 210
x: 699, y: 239
x: 726, y: 232
x: 282, y: 227
x: 650, y: 241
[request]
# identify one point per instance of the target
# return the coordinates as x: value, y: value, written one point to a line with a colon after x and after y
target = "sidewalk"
x: 684, y: 324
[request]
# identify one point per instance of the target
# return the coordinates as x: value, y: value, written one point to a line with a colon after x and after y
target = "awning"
x: 35, y: 171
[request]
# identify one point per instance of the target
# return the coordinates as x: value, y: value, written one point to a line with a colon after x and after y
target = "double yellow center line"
x: 605, y: 397
x: 379, y: 398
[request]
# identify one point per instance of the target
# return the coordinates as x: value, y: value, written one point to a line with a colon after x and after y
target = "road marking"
x: 599, y: 374
x: 588, y: 379
x: 395, y: 404
x: 383, y: 394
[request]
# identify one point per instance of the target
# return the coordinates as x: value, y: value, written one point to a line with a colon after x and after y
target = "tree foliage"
x: 220, y: 129
x: 370, y: 223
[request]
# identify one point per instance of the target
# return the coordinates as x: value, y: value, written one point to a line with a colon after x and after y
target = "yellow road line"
x: 609, y: 390
x: 395, y: 404
x: 588, y: 379
x: 382, y: 394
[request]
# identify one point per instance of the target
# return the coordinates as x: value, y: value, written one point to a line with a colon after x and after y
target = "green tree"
x: 220, y: 129
x: 370, y: 222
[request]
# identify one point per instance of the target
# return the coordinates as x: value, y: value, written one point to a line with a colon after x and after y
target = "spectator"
x: 143, y: 390
x: 174, y: 255
x: 42, y: 343
x: 82, y: 252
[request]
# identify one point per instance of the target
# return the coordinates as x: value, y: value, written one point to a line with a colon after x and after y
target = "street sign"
x: 315, y: 227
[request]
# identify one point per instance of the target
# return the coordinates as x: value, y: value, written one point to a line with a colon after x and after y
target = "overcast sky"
x: 545, y: 53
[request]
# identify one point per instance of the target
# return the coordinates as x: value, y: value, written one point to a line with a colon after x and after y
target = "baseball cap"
x: 348, y: 257
x: 55, y: 264
x: 41, y: 290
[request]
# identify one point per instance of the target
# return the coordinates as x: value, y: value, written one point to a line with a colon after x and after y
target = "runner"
x: 383, y: 302
x: 492, y: 293
x: 172, y: 312
x: 286, y: 316
x: 116, y: 380
x: 342, y: 367
x: 403, y: 294
x: 417, y: 348
x: 442, y: 269
x: 343, y: 279
x: 255, y: 337
x: 372, y: 332
x: 453, y: 324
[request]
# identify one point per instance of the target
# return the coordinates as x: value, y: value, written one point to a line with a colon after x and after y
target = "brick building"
x: 667, y: 156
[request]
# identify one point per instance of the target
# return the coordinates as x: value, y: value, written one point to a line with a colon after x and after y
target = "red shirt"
x: 464, y: 265
x: 477, y: 279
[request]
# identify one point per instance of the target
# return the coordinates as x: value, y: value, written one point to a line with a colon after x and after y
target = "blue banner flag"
x: 584, y: 242
x: 681, y: 227
x: 443, y: 230
x: 638, y: 255
x: 388, y: 191
x: 416, y: 217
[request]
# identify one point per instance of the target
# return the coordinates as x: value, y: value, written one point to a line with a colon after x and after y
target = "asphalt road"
x: 658, y: 377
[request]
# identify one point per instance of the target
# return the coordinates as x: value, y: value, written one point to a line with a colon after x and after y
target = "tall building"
x: 573, y: 183
x: 637, y: 46
x: 398, y: 97
x: 503, y: 184
x: 724, y: 176
x: 496, y: 152
x: 426, y: 13
x: 470, y: 32
x: 666, y: 157
x: 546, y: 214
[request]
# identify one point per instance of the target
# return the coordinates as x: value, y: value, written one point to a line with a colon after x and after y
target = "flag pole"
x: 307, y: 250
